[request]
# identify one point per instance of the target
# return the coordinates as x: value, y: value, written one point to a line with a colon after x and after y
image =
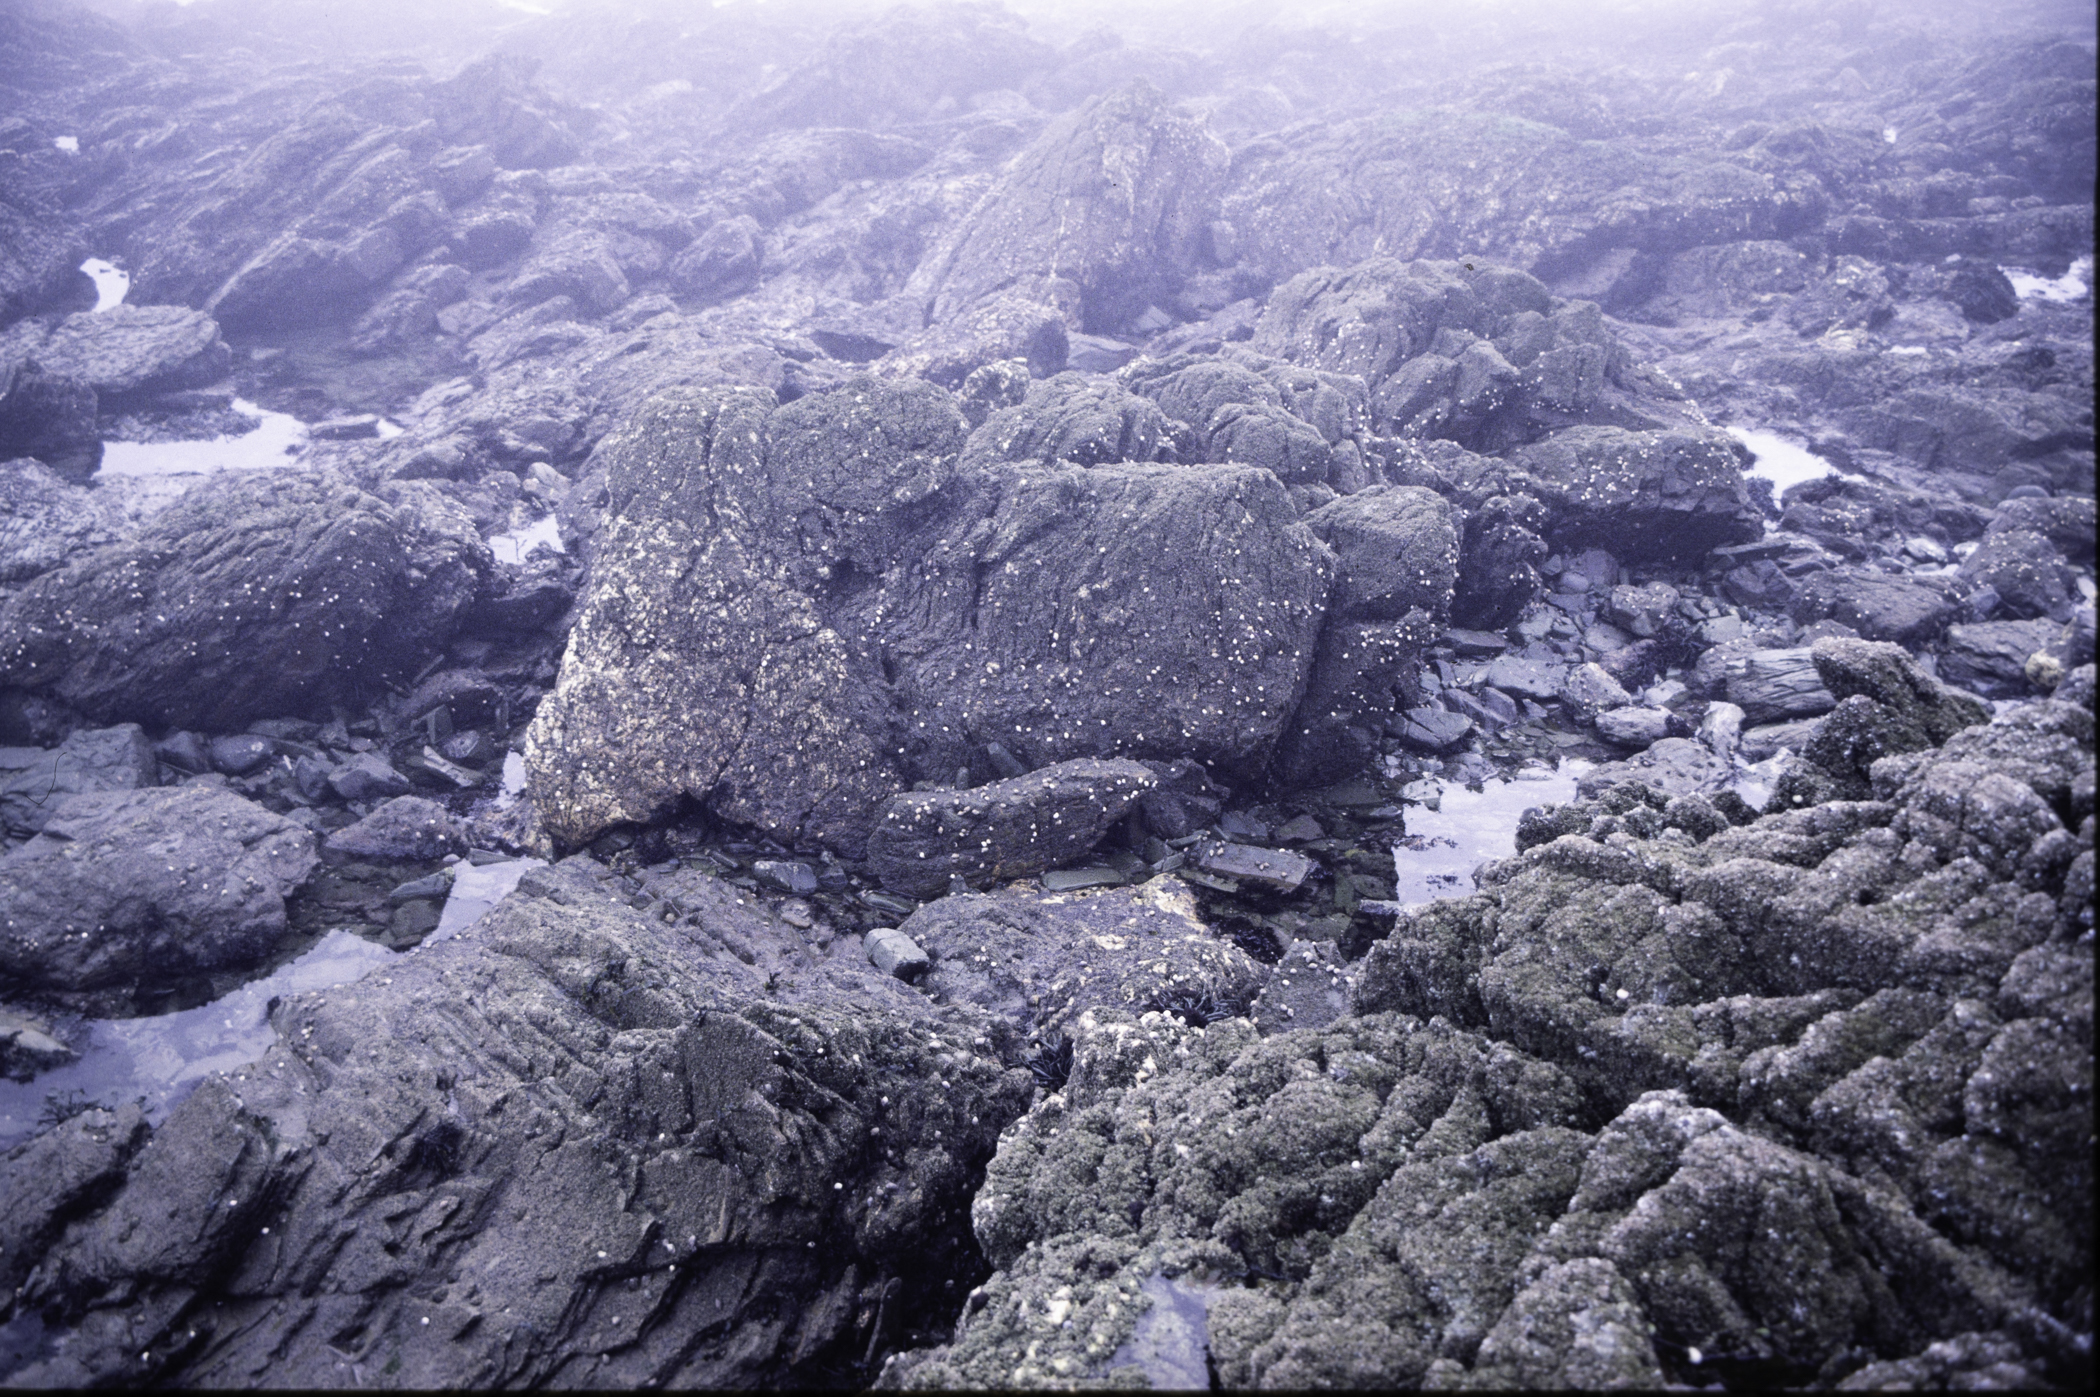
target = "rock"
x: 1590, y: 691
x: 1991, y: 657
x: 967, y: 665
x: 1397, y: 550
x: 1672, y: 765
x: 1924, y: 710
x: 721, y: 262
x: 404, y: 828
x: 991, y: 387
x: 51, y: 418
x: 893, y: 953
x: 793, y: 1080
x: 125, y: 892
x: 1519, y: 674
x: 60, y: 1174
x: 1040, y: 962
x: 2023, y: 567
x: 254, y: 594
x: 1770, y: 684
x: 1643, y: 610
x: 367, y: 776
x: 2065, y: 520
x: 27, y: 1047
x: 1071, y: 417
x: 1982, y: 291
x: 1876, y: 605
x: 1651, y: 496
x: 33, y: 782
x: 1113, y: 201
x: 1307, y: 989
x: 46, y: 522
x: 789, y: 877
x: 1498, y: 562
x: 241, y: 754
x: 1003, y: 830
x: 131, y: 352
x: 1434, y: 729
x: 994, y: 331
x: 1276, y: 868
x: 1635, y: 727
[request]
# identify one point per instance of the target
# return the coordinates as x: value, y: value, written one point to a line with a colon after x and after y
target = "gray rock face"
x: 1990, y: 658
x: 1004, y: 830
x: 1102, y: 215
x: 1877, y: 605
x: 1805, y: 1086
x: 406, y: 827
x: 1647, y: 496
x: 51, y: 418
x: 45, y: 521
x: 2024, y: 568
x: 1072, y: 417
x: 127, y: 351
x: 653, y: 1170
x: 1041, y: 963
x: 1396, y: 549
x: 251, y: 596
x: 125, y: 890
x: 1063, y: 612
x: 34, y: 780
x: 1773, y: 684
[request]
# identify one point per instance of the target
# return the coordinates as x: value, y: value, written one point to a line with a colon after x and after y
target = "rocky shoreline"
x: 827, y: 690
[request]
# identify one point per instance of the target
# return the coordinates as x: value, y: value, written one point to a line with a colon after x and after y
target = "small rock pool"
x: 1464, y: 828
x: 160, y: 1059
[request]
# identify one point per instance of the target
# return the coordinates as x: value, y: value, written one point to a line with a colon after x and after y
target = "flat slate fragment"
x: 1279, y: 868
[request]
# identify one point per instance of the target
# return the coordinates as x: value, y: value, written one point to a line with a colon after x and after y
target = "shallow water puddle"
x: 2074, y: 285
x: 112, y: 282
x: 517, y: 545
x: 1443, y: 846
x: 1783, y: 462
x: 278, y: 439
x: 160, y: 1059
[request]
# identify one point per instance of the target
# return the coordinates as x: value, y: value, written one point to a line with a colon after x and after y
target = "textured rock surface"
x: 250, y: 597
x: 126, y: 351
x: 645, y: 1148
x: 867, y: 617
x: 124, y: 891
x: 1005, y: 830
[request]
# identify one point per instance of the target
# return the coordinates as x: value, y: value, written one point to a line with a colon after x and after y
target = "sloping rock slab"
x: 1008, y: 829
x: 642, y: 1169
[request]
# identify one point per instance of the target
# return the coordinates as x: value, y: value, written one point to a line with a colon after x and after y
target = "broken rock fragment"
x: 1008, y: 829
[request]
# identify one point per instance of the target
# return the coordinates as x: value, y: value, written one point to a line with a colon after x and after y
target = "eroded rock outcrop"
x: 249, y: 597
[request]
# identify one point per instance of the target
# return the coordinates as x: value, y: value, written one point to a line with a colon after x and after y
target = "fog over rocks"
x: 825, y: 646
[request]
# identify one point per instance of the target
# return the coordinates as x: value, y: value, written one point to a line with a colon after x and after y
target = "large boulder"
x: 1103, y: 215
x: 1396, y: 548
x: 651, y: 1162
x: 128, y: 351
x: 1646, y: 496
x: 129, y: 891
x: 1080, y: 418
x: 254, y: 595
x: 796, y: 613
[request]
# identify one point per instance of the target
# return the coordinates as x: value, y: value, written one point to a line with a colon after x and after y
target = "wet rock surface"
x: 934, y: 577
